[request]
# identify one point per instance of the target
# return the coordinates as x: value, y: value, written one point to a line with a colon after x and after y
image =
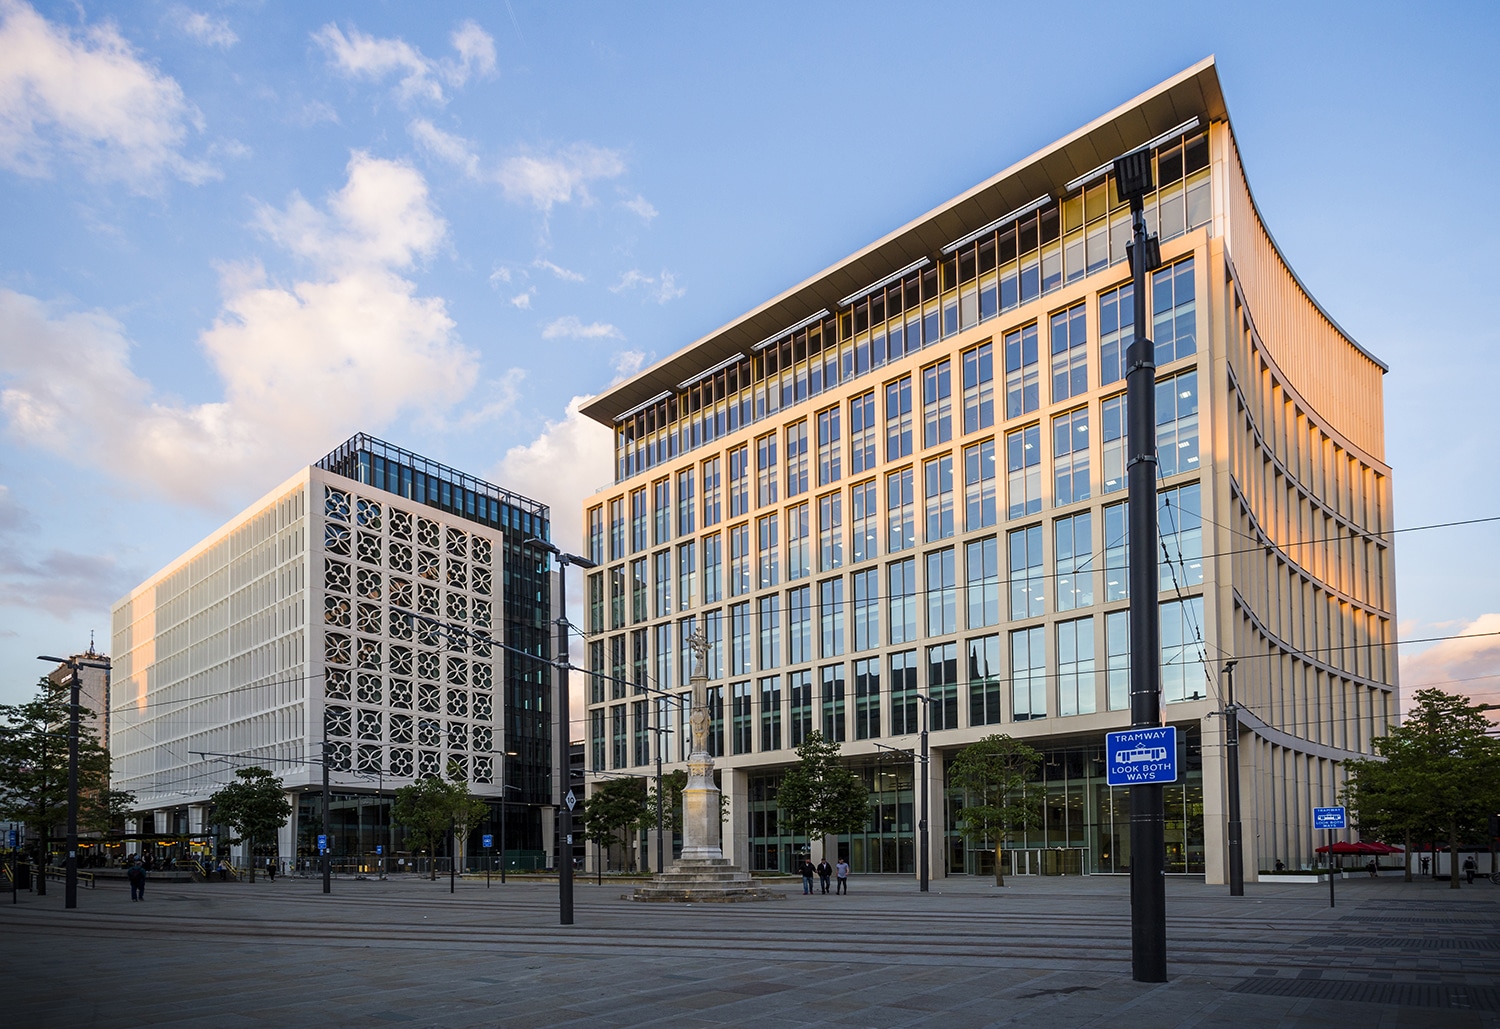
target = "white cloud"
x: 627, y: 363
x: 1468, y: 666
x: 315, y: 112
x: 476, y: 53
x: 205, y: 28
x: 558, y: 177
x: 380, y: 218
x: 86, y: 95
x: 641, y: 206
x: 562, y: 273
x: 349, y: 346
x: 566, y: 463
x: 660, y: 288
x: 499, y: 275
x: 542, y: 179
x: 570, y: 327
x: 523, y: 300
x: 362, y: 56
x: 450, y: 148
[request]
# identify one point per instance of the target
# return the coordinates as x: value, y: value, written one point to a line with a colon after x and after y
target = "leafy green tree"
x: 427, y: 809
x: 34, y: 768
x: 818, y: 796
x: 993, y: 773
x: 616, y: 808
x: 255, y: 807
x: 468, y: 813
x: 672, y: 785
x: 1438, y: 774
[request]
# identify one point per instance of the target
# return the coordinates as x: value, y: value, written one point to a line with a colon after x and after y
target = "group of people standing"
x: 825, y: 872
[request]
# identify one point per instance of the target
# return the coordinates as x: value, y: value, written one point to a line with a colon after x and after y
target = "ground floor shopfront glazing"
x: 1084, y: 826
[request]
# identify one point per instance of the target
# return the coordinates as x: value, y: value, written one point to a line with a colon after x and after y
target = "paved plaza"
x: 1039, y: 952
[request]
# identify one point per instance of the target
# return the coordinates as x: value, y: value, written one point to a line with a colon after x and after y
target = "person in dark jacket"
x: 807, y: 871
x: 137, y: 876
x: 825, y: 873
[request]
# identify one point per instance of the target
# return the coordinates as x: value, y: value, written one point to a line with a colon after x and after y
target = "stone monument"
x: 702, y: 873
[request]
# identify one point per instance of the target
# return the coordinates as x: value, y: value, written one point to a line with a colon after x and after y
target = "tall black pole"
x: 503, y: 788
x: 1232, y: 783
x: 70, y: 866
x: 924, y: 858
x: 1148, y: 896
x: 564, y: 754
x: 326, y: 852
x: 661, y: 861
x: 452, y: 855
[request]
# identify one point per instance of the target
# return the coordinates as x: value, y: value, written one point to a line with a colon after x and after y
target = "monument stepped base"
x: 704, y: 881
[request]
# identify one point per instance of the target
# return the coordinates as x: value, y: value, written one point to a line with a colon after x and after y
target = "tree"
x: 993, y: 773
x: 1438, y: 775
x: 427, y: 809
x: 672, y: 785
x: 616, y: 807
x: 467, y: 813
x: 255, y: 806
x: 34, y: 767
x: 818, y: 796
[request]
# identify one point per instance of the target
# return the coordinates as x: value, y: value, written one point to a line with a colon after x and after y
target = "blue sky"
x: 235, y: 233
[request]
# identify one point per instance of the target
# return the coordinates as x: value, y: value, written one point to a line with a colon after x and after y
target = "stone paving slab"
x: 1038, y: 953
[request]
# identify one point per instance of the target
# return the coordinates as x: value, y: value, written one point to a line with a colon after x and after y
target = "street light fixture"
x: 70, y: 864
x: 564, y: 730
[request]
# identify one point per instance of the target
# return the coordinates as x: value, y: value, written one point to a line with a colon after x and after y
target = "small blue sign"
x: 379, y: 849
x: 322, y: 842
x: 489, y: 841
x: 1140, y: 757
x: 12, y: 839
x: 1329, y: 818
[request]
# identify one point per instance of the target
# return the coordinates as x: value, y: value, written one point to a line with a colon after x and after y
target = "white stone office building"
x: 905, y: 477
x: 289, y: 625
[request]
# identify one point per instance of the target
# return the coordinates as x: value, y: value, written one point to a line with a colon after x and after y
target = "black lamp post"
x: 70, y: 864
x: 1232, y: 783
x: 564, y: 730
x: 1148, y: 894
x: 503, y: 787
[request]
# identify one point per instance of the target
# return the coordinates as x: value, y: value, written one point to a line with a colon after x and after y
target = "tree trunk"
x: 1453, y: 854
x: 999, y: 868
x: 432, y: 863
x: 1407, y: 840
x: 250, y: 842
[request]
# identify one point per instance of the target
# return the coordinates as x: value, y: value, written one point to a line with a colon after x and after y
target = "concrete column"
x: 196, y: 814
x: 937, y: 819
x: 735, y: 784
x: 549, y: 834
x: 1215, y: 812
x: 286, y: 836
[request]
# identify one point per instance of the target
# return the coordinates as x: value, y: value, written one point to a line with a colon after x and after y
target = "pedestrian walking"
x: 1426, y: 863
x: 841, y: 871
x: 825, y: 873
x: 807, y: 871
x: 1372, y: 868
x: 223, y: 870
x: 271, y: 869
x: 1470, y: 868
x: 137, y: 876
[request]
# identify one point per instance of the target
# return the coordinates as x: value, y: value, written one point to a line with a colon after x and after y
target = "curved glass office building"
x: 905, y: 476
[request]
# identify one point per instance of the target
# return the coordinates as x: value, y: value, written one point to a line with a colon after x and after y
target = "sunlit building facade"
x: 359, y: 607
x: 905, y: 477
